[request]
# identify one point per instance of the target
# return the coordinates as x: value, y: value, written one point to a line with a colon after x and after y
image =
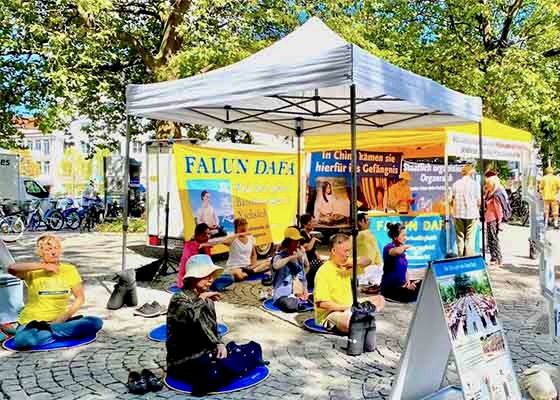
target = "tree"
x: 75, y: 171
x: 89, y: 50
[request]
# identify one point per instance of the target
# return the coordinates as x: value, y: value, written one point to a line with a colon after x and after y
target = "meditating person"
x: 47, y: 316
x: 289, y: 284
x: 333, y: 286
x: 400, y: 195
x: 325, y: 206
x: 242, y: 260
x: 395, y: 283
x: 199, y: 244
x: 309, y: 243
x: 367, y: 247
x: 195, y: 352
x: 206, y: 213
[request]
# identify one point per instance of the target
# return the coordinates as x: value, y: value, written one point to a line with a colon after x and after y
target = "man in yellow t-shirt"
x: 333, y: 286
x: 46, y: 317
x: 550, y: 187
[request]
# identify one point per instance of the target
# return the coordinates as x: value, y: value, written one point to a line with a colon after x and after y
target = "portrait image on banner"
x: 211, y: 202
x: 477, y: 336
x: 329, y: 184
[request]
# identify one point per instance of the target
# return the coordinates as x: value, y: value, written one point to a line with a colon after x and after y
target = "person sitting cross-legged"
x: 333, y: 286
x: 289, y: 284
x: 46, y: 316
x: 195, y: 352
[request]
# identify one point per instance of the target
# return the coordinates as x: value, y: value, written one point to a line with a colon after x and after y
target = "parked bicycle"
x: 31, y: 218
x: 519, y: 207
x: 12, y: 224
x: 94, y: 213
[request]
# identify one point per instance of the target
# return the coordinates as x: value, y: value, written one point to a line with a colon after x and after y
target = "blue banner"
x: 458, y: 266
x: 425, y: 233
x: 332, y: 164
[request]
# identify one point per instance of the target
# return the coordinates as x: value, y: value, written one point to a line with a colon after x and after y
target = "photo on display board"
x: 470, y: 308
x: 330, y: 203
x: 493, y: 345
x: 211, y: 203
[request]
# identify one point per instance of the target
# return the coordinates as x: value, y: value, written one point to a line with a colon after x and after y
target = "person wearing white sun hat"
x: 195, y: 351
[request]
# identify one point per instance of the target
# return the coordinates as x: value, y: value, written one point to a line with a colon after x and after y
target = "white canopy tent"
x: 310, y: 82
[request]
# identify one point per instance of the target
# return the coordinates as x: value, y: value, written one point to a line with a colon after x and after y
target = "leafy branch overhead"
x: 65, y: 58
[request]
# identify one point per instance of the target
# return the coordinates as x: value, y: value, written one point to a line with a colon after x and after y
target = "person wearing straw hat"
x: 195, y: 351
x: 465, y: 202
x: 400, y: 195
x: 550, y: 189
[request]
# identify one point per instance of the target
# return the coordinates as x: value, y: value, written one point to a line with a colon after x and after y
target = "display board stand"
x: 456, y: 314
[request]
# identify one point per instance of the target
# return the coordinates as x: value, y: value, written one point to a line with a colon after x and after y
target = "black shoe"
x: 131, y: 298
x: 147, y: 311
x: 267, y: 280
x: 39, y: 325
x: 154, y: 383
x: 137, y: 383
x: 116, y: 300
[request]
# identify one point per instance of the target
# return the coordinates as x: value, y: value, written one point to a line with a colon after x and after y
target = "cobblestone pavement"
x: 303, y: 365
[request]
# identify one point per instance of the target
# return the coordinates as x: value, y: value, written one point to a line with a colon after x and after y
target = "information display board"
x: 457, y: 314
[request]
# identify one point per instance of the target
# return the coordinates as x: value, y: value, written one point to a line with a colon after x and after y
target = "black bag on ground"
x: 124, y: 292
x: 362, y: 334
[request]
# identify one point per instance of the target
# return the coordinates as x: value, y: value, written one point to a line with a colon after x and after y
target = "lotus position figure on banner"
x: 333, y: 286
x: 199, y: 245
x: 242, y: 260
x: 46, y: 316
x: 289, y: 284
x: 308, y: 223
x: 195, y: 351
x: 395, y: 284
x: 325, y: 210
x: 400, y: 195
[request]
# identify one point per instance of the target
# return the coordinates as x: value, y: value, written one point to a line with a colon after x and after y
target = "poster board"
x: 329, y: 183
x: 457, y: 314
x: 217, y: 185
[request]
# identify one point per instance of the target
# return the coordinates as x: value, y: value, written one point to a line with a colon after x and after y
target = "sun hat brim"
x: 204, y: 271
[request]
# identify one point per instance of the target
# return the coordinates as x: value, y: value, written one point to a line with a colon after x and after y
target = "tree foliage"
x: 27, y: 166
x: 74, y: 57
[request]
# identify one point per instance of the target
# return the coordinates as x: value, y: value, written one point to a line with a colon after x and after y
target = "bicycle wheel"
x: 11, y: 228
x: 73, y: 220
x: 55, y: 221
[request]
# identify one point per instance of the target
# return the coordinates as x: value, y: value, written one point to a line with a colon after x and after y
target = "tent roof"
x: 417, y: 141
x: 305, y: 77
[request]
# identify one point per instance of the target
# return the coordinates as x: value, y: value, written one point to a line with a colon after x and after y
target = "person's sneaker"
x: 137, y: 383
x: 154, y: 383
x: 157, y: 306
x: 267, y: 280
x: 147, y: 311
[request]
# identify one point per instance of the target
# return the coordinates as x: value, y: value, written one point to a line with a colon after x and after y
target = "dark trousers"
x: 287, y: 304
x: 493, y: 240
x: 401, y: 294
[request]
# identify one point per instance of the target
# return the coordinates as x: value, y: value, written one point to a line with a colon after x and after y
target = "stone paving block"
x: 17, y: 395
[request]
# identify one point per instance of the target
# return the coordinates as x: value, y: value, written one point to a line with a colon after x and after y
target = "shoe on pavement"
x: 147, y: 311
x: 154, y: 383
x: 137, y: 383
x: 157, y: 306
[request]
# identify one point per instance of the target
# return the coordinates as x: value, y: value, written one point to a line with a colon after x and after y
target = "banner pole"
x: 482, y: 204
x: 125, y: 191
x: 299, y: 133
x: 446, y: 197
x: 354, y: 190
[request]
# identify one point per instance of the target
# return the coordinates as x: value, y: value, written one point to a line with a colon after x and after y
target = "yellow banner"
x: 217, y: 185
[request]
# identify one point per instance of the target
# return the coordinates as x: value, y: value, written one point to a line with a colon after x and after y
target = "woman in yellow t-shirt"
x: 46, y: 316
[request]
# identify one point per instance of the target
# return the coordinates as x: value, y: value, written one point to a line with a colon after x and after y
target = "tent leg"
x: 299, y: 133
x: 446, y: 199
x: 125, y: 191
x: 482, y: 204
x: 354, y: 190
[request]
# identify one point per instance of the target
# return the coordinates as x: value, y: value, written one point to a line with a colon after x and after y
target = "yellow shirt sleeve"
x: 72, y: 276
x: 321, y: 292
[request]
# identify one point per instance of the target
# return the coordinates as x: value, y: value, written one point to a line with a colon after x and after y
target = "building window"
x: 136, y: 146
x: 37, y: 146
x: 46, y: 147
x: 45, y: 167
x: 84, y: 147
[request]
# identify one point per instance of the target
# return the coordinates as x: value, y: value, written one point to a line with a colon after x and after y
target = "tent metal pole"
x: 482, y: 203
x: 446, y: 197
x: 299, y: 133
x: 125, y: 191
x: 354, y: 190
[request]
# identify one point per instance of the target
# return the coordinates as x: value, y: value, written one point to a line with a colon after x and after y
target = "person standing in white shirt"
x: 465, y: 200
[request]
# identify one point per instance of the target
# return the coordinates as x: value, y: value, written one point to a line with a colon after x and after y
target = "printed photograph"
x: 470, y: 308
x: 493, y: 344
x: 211, y: 203
x: 330, y: 202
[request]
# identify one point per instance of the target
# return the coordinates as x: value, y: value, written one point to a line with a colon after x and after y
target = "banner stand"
x: 456, y: 314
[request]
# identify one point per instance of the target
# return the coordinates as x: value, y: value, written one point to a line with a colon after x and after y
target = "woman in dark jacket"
x: 195, y: 351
